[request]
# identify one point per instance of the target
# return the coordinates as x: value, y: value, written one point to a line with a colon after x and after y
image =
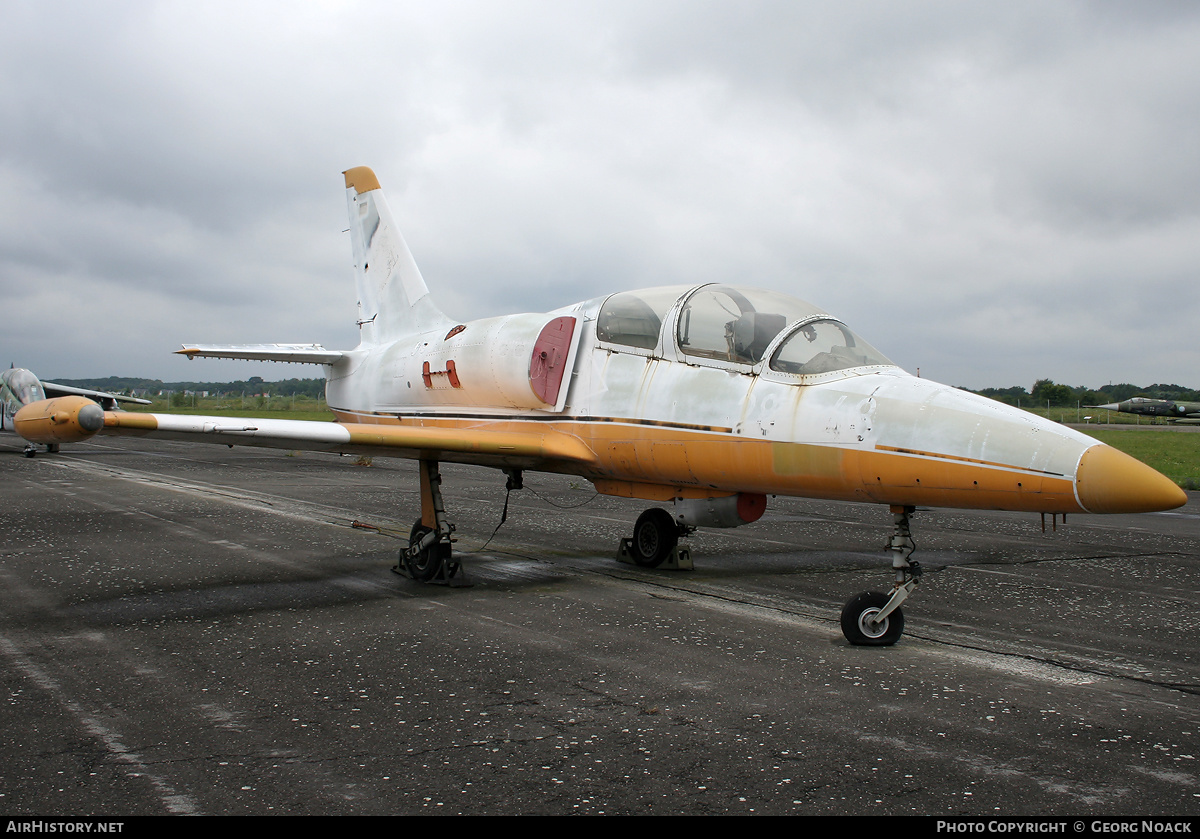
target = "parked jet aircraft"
x: 709, y: 398
x: 50, y: 413
x: 1167, y: 408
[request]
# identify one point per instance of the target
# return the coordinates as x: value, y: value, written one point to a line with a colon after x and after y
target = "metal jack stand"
x: 679, y: 559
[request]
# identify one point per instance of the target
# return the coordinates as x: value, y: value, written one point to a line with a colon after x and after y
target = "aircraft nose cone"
x: 1110, y: 481
x: 91, y: 417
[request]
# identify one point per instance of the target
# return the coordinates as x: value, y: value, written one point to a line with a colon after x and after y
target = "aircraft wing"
x: 542, y: 449
x: 294, y: 353
x: 52, y: 389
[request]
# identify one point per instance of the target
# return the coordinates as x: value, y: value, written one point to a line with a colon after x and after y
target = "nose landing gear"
x: 872, y: 619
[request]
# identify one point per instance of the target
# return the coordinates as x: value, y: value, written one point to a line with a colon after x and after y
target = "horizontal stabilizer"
x: 293, y: 353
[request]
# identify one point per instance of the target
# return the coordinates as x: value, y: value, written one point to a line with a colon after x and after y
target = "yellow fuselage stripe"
x: 646, y: 460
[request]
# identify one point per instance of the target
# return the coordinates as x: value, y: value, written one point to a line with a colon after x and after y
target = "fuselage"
x: 715, y: 390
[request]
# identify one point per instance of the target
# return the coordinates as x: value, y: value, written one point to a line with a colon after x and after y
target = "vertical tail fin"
x: 393, y: 299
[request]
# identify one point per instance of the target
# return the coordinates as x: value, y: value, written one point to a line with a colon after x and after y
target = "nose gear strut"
x: 874, y: 619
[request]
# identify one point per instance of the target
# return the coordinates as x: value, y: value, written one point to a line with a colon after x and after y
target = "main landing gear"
x: 656, y: 540
x: 872, y: 619
x: 429, y: 557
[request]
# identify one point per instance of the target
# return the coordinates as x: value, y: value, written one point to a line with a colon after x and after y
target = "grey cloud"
x: 979, y: 189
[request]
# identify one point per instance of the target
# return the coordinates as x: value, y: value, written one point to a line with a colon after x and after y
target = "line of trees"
x: 314, y: 388
x: 1046, y: 391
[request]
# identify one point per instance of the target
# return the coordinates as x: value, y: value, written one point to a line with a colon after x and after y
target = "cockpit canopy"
x: 21, y: 387
x: 738, y: 326
x: 634, y: 318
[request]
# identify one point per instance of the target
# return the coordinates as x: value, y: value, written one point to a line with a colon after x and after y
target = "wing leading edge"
x: 544, y: 448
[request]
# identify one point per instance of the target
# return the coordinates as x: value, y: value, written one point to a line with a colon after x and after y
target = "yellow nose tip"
x: 1110, y: 481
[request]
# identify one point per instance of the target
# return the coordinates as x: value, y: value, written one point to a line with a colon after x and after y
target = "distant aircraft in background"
x: 1167, y: 408
x: 707, y: 398
x: 50, y: 413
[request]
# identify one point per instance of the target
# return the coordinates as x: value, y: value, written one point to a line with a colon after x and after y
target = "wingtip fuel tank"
x: 67, y: 419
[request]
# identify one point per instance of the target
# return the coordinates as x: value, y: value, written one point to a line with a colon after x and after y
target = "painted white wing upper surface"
x: 53, y: 389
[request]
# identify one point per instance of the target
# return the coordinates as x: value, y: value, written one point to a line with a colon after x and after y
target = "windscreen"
x: 825, y: 346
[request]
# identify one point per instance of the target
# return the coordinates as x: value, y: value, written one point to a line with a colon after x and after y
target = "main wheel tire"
x: 424, y: 566
x: 654, y: 537
x: 856, y: 616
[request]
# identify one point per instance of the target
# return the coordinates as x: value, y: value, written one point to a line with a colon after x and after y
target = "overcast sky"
x: 991, y: 192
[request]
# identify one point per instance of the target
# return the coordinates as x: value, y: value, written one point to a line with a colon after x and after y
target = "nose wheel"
x: 872, y: 619
x: 862, y: 625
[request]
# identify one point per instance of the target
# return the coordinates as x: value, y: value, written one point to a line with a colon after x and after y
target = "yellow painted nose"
x: 1110, y: 481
